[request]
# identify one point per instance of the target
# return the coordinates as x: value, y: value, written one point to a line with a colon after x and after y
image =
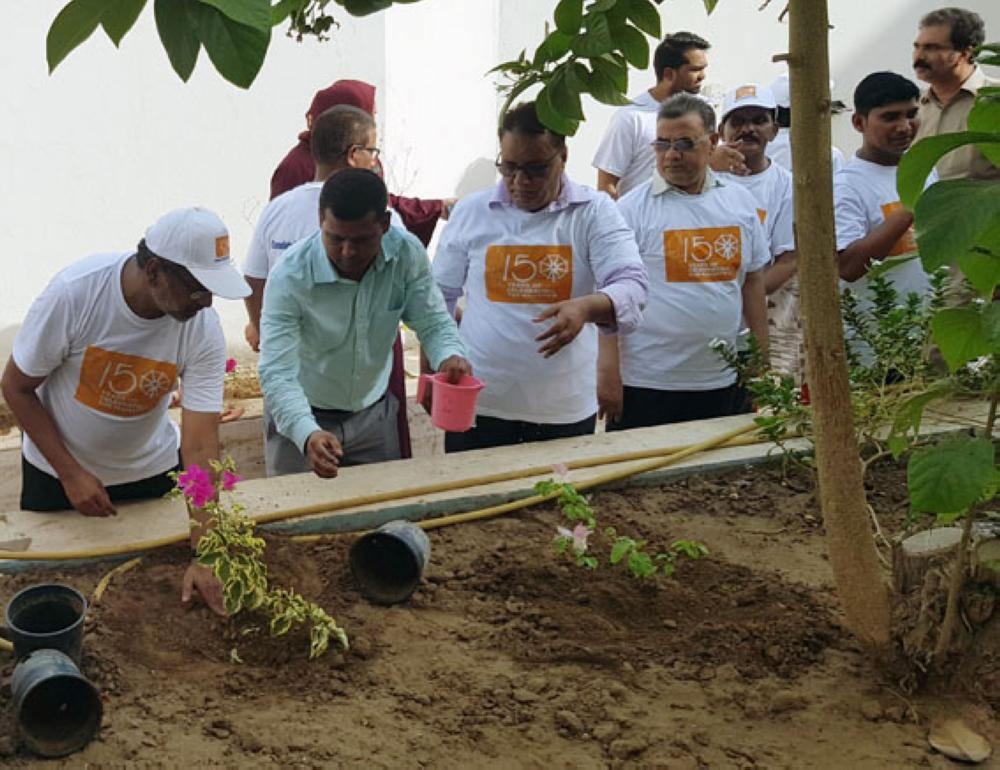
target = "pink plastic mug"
x: 454, y: 405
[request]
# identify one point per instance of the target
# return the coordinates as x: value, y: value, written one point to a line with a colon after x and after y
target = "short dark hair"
x: 967, y: 27
x: 335, y: 130
x: 672, y: 51
x: 522, y: 118
x: 882, y: 88
x: 679, y: 105
x: 353, y: 194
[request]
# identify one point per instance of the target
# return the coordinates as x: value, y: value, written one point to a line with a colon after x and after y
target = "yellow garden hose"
x: 674, y: 454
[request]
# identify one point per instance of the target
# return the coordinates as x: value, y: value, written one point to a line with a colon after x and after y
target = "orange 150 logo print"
x: 702, y: 254
x: 907, y: 242
x: 529, y: 274
x: 123, y: 385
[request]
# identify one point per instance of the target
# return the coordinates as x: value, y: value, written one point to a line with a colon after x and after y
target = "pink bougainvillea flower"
x: 229, y: 480
x: 196, y: 484
x: 560, y: 470
x: 230, y: 365
x: 578, y: 535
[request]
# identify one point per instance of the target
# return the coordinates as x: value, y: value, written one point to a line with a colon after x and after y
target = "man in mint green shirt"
x: 332, y: 307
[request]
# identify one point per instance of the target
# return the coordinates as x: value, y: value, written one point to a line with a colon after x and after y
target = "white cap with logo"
x: 198, y: 240
x: 749, y: 95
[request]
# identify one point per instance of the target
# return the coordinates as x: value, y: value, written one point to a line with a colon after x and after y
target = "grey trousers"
x: 367, y: 436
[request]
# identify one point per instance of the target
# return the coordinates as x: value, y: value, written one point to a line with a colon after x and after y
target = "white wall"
x: 92, y: 154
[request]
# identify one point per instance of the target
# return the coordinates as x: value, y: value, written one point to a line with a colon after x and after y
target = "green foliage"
x: 952, y: 476
x: 234, y: 553
x: 640, y: 563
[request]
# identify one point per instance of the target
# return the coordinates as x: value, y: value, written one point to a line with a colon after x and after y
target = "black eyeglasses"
x: 682, y: 145
x: 199, y: 294
x: 374, y: 151
x: 530, y: 170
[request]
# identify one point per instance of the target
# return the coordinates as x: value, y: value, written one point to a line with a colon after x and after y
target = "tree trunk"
x: 860, y: 584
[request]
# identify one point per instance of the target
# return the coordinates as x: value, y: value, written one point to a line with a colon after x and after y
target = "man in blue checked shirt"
x: 332, y: 307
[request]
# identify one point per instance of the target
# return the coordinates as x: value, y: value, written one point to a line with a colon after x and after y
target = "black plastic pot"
x: 57, y: 709
x: 387, y: 563
x: 47, y: 616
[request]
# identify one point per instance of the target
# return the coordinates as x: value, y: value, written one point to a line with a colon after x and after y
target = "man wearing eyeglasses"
x: 705, y: 249
x: 93, y: 366
x: 544, y: 262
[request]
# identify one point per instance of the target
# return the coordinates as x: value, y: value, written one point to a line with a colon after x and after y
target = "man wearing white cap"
x: 748, y: 125
x: 780, y: 149
x: 93, y: 366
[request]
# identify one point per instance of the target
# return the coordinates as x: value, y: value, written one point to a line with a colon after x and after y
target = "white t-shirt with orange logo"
x: 109, y: 373
x: 864, y: 193
x: 772, y: 189
x: 698, y: 250
x: 513, y: 264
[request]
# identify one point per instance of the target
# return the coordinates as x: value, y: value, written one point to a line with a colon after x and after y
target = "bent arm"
x: 19, y: 393
x: 853, y: 261
x: 608, y: 182
x: 780, y: 271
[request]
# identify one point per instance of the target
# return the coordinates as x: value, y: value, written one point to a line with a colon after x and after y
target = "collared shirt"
x: 512, y: 264
x: 698, y: 249
x: 965, y: 162
x: 326, y: 341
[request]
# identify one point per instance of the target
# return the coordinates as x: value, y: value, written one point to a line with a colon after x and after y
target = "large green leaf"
x: 952, y: 476
x: 957, y: 217
x: 252, y: 13
x: 236, y: 50
x: 552, y: 48
x: 364, y: 7
x: 991, y: 326
x: 565, y: 98
x: 960, y: 335
x: 645, y: 16
x: 920, y: 159
x: 177, y: 26
x: 710, y: 5
x: 600, y: 6
x: 982, y: 270
x: 74, y: 24
x: 569, y: 16
x: 551, y: 118
x: 119, y: 17
x: 634, y: 45
x: 985, y: 116
x: 615, y: 67
x: 596, y: 40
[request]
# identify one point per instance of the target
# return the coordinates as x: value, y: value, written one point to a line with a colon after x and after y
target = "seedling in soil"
x: 234, y: 553
x: 574, y: 542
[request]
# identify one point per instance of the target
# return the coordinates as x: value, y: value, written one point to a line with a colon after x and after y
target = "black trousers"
x: 42, y: 492
x: 645, y: 407
x: 493, y: 431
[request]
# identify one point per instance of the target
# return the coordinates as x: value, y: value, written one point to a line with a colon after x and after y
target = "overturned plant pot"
x: 388, y: 563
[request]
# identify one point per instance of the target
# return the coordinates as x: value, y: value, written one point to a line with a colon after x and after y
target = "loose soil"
x: 508, y: 657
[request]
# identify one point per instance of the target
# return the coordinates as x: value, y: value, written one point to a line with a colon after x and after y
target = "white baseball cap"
x: 748, y: 95
x: 198, y: 240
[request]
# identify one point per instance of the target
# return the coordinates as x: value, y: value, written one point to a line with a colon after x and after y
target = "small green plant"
x: 574, y: 542
x: 234, y: 553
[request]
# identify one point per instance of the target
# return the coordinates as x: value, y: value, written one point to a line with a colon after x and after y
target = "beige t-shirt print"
x: 524, y: 274
x: 702, y: 254
x: 123, y: 385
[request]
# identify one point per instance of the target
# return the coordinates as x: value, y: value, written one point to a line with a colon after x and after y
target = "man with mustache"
x: 748, y: 125
x: 871, y: 223
x: 942, y: 58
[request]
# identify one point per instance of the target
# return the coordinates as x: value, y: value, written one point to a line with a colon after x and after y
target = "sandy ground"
x: 510, y: 657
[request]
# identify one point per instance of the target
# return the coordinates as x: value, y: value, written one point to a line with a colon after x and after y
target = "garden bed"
x: 510, y: 657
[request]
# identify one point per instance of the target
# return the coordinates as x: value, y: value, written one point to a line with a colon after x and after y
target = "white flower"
x: 578, y: 535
